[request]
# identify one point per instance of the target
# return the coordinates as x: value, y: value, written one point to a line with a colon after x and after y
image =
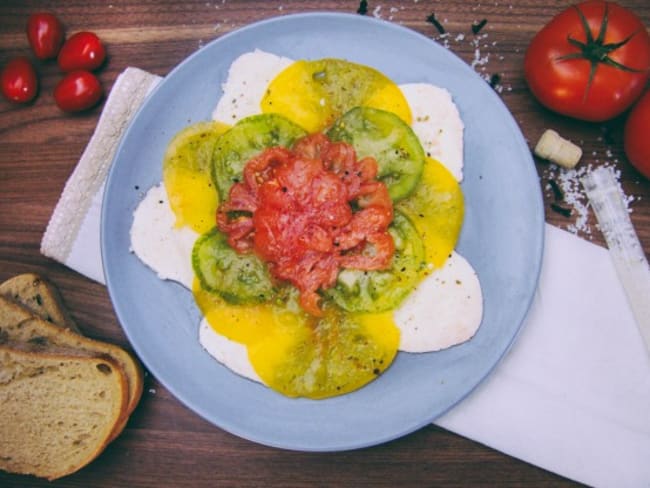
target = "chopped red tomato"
x: 310, y: 211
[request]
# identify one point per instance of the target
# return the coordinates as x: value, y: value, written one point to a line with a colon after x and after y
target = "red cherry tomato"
x: 45, y: 35
x: 18, y: 80
x: 590, y: 62
x: 636, y: 137
x: 82, y: 50
x: 78, y: 91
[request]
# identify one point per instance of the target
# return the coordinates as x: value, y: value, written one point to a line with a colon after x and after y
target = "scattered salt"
x: 479, y: 60
x: 481, y: 55
x: 574, y: 195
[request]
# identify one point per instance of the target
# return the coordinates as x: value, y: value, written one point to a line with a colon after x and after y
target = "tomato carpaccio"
x: 309, y: 211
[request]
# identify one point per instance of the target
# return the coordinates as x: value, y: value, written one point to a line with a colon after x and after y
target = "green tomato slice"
x: 385, y: 137
x: 246, y: 139
x: 378, y: 291
x: 237, y: 278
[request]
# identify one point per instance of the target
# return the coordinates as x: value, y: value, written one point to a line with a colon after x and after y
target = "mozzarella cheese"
x: 248, y: 77
x: 437, y: 124
x: 443, y: 311
x: 158, y: 243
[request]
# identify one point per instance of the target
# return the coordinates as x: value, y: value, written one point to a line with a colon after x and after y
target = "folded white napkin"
x: 72, y: 234
x: 571, y: 396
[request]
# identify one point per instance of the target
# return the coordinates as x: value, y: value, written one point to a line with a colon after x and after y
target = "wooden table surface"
x: 165, y: 444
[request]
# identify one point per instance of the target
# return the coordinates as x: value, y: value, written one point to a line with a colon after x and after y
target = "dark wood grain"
x: 165, y: 444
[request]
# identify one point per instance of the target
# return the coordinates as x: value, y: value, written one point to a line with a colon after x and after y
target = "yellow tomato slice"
x: 186, y: 175
x: 436, y: 208
x: 313, y: 94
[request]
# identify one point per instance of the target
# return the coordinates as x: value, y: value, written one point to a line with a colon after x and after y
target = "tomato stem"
x: 594, y: 51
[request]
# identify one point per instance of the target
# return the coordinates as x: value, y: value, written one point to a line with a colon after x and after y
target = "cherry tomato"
x: 18, y: 80
x: 78, y: 91
x: 590, y: 62
x: 636, y: 136
x: 82, y: 50
x: 45, y: 35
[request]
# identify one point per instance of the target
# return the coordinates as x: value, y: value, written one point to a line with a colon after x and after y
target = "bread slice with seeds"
x: 59, y: 408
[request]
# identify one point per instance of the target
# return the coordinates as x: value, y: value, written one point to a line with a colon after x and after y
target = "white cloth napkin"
x: 571, y: 396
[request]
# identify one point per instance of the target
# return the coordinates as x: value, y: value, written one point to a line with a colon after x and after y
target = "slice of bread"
x: 59, y: 408
x: 18, y: 324
x: 39, y: 296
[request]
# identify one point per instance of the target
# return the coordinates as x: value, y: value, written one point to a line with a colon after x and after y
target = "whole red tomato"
x: 18, y: 80
x: 636, y: 136
x: 589, y: 62
x: 45, y: 35
x: 78, y: 91
x: 83, y: 50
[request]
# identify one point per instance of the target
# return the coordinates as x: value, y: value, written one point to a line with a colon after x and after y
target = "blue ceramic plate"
x: 502, y: 237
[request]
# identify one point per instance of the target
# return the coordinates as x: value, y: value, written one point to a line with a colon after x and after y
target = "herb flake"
x: 495, y: 79
x: 432, y: 20
x: 566, y: 212
x: 476, y: 27
x: 363, y: 7
x: 558, y: 194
